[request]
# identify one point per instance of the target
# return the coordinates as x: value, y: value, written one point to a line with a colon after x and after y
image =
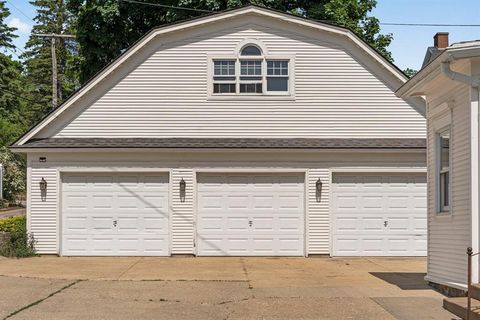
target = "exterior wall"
x: 450, y: 234
x: 43, y: 218
x: 162, y: 92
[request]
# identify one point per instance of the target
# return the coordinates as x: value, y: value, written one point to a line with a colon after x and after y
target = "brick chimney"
x: 440, y: 40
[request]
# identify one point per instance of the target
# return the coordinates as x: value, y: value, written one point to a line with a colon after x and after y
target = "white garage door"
x: 115, y: 214
x: 250, y: 215
x: 379, y: 214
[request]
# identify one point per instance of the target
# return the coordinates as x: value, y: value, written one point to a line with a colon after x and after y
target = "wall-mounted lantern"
x: 43, y: 189
x: 43, y: 185
x: 183, y: 188
x: 318, y: 189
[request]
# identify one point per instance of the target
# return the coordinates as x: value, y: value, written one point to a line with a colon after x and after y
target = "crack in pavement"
x: 129, y: 268
x: 41, y: 300
x: 245, y: 271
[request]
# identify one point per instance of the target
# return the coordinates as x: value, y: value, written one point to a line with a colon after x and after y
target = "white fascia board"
x: 200, y: 21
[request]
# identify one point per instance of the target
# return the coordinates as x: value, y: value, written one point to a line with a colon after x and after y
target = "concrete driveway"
x: 217, y: 288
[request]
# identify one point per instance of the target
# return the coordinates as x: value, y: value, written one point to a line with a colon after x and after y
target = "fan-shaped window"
x: 251, y: 51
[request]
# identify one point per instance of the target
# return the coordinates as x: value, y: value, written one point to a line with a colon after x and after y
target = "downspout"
x: 474, y: 82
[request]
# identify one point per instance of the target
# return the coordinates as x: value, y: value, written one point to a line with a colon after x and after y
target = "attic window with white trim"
x: 251, y: 73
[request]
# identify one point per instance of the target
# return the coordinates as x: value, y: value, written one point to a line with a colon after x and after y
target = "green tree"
x: 14, y: 174
x: 6, y: 33
x: 12, y: 106
x: 52, y: 17
x: 105, y: 28
x: 410, y: 72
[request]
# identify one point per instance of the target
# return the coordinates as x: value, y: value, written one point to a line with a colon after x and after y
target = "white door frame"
x: 303, y: 171
x: 332, y: 171
x: 61, y: 171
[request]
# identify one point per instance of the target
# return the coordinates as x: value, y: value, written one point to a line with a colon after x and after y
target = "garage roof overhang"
x: 69, y: 144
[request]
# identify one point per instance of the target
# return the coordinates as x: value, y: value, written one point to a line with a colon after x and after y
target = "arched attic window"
x: 251, y: 50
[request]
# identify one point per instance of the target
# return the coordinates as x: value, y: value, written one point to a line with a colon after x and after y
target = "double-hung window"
x: 251, y: 73
x: 224, y: 79
x: 443, y: 171
x: 277, y: 75
x: 251, y: 76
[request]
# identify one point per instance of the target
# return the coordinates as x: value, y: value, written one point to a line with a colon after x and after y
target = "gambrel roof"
x: 387, y: 68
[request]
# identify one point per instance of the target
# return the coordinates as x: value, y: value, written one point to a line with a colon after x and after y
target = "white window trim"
x: 267, y: 95
x: 440, y: 209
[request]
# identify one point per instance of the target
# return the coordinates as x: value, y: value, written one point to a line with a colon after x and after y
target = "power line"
x: 328, y: 21
x: 53, y: 37
x: 166, y: 6
x: 19, y: 10
x: 428, y: 24
x: 13, y: 51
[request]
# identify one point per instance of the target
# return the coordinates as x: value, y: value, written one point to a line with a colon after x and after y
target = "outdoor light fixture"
x: 318, y: 189
x: 183, y: 187
x: 43, y: 185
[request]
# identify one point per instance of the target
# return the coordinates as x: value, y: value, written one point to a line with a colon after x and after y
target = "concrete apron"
x: 217, y: 288
x: 299, y: 271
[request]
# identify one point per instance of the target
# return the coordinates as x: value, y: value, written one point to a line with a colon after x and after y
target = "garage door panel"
x: 251, y: 214
x: 120, y: 214
x: 377, y: 215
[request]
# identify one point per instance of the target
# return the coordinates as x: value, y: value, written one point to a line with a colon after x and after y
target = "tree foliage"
x: 52, y: 17
x: 6, y: 33
x: 410, y: 72
x: 105, y: 28
x: 14, y: 178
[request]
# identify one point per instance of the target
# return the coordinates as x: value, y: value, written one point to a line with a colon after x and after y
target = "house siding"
x: 44, y: 222
x: 338, y: 93
x: 42, y: 217
x: 449, y: 235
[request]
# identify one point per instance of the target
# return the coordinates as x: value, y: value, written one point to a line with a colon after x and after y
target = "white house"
x: 450, y: 84
x: 247, y: 132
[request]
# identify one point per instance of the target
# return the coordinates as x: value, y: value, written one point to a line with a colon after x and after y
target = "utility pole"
x: 53, y: 37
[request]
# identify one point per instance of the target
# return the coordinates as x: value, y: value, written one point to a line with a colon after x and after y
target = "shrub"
x: 13, y: 224
x: 14, y: 179
x: 18, y: 244
x: 17, y: 241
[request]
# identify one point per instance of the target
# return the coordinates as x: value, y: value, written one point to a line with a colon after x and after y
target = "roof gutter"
x: 455, y: 52
x: 473, y: 81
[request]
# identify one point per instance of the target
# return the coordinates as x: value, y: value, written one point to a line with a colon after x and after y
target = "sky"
x: 409, y: 44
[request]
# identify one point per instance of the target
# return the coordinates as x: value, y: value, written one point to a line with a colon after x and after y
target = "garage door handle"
x: 114, y: 223
x: 385, y: 223
x: 250, y: 223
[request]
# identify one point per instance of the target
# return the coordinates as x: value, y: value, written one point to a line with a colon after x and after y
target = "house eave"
x: 415, y: 86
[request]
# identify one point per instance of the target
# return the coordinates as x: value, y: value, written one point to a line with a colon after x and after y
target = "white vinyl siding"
x: 183, y: 223
x: 42, y: 218
x: 318, y: 211
x: 336, y: 93
x: 45, y: 225
x: 449, y: 235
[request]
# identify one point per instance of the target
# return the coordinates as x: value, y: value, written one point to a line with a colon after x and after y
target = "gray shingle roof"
x: 225, y: 143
